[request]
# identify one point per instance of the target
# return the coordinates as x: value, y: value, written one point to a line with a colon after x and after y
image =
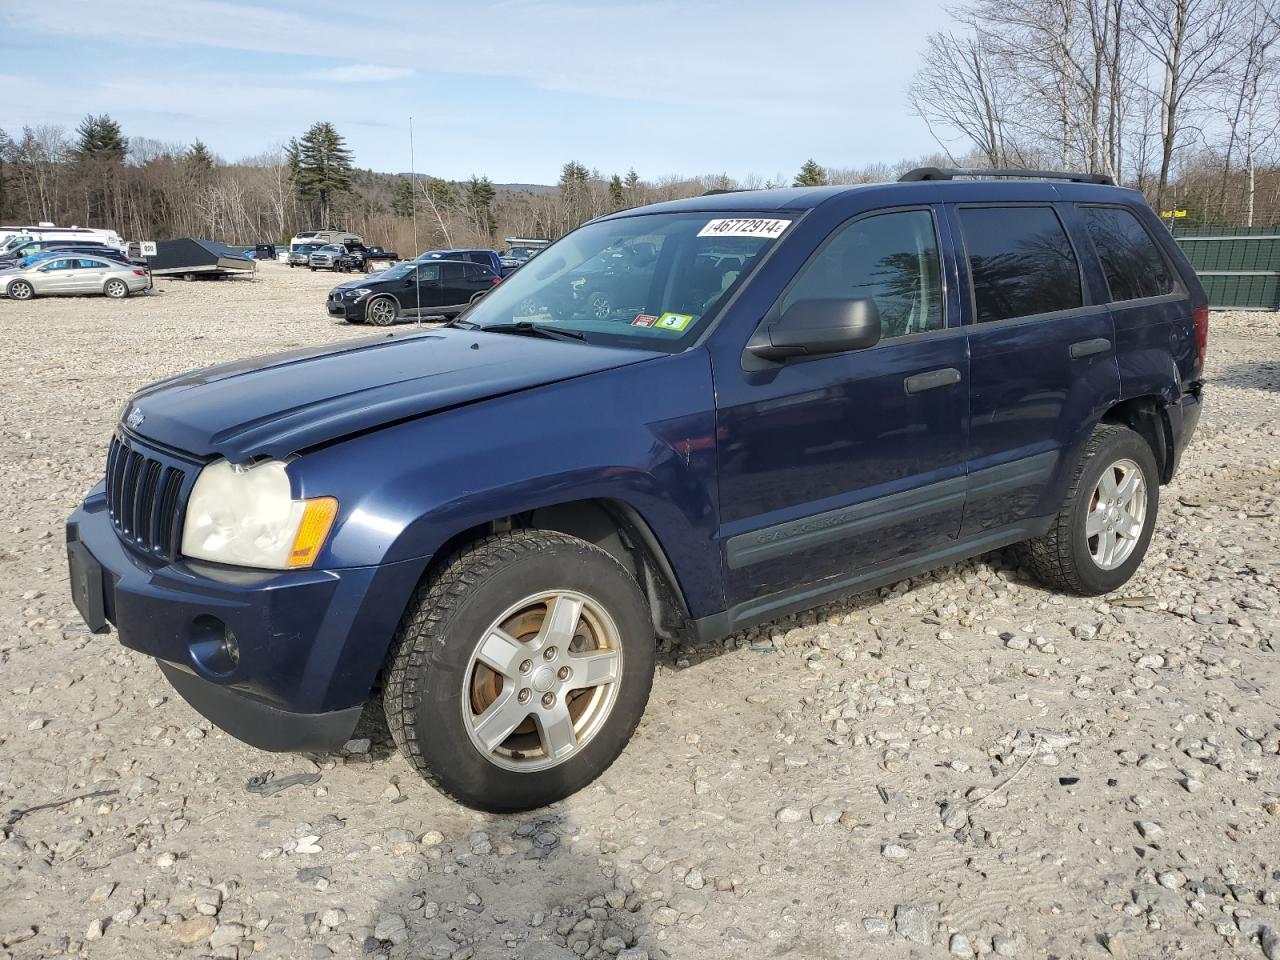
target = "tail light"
x: 1201, y: 318
x: 139, y: 273
x: 496, y: 281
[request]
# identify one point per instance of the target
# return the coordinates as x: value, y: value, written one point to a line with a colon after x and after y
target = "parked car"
x: 485, y: 525
x: 105, y: 253
x: 519, y: 251
x: 438, y: 288
x: 337, y: 257
x: 300, y: 253
x: 489, y: 258
x: 81, y: 274
x: 13, y: 255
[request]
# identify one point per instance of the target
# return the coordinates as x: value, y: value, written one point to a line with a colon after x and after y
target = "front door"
x: 833, y: 466
x: 422, y: 297
x: 55, y: 277
x: 1041, y: 357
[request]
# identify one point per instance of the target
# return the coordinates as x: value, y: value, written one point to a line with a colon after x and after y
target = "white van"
x: 11, y: 237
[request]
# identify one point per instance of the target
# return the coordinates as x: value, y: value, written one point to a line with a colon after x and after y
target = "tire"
x: 313, y: 269
x: 115, y: 289
x: 437, y: 689
x: 1071, y: 557
x: 381, y: 312
x: 21, y: 290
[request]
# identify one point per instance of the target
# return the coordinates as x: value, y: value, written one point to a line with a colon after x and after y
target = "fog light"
x: 215, y: 649
x: 231, y: 647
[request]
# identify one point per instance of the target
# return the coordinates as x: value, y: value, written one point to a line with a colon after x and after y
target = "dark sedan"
x: 437, y: 288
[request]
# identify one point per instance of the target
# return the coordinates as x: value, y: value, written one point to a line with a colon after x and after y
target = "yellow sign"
x: 1173, y: 214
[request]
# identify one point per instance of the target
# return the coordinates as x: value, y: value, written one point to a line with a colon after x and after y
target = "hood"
x: 355, y: 284
x: 281, y: 404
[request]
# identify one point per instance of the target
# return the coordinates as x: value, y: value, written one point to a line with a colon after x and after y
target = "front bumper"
x: 311, y: 642
x: 346, y: 309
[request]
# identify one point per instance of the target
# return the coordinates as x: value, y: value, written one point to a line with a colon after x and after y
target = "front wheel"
x: 381, y: 312
x: 1104, y: 527
x: 21, y: 290
x: 116, y: 289
x: 520, y: 671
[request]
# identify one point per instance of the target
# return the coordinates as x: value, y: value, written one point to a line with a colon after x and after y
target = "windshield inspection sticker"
x: 745, y: 227
x: 644, y: 320
x: 674, y: 321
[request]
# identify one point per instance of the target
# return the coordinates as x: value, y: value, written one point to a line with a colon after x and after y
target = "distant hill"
x: 513, y: 187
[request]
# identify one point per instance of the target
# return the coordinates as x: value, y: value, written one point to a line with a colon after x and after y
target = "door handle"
x: 1087, y: 348
x: 920, y: 382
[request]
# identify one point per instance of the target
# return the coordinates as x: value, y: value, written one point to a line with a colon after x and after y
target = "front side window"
x: 60, y: 265
x: 891, y: 259
x: 1133, y: 266
x: 649, y: 281
x: 428, y: 272
x: 1020, y: 262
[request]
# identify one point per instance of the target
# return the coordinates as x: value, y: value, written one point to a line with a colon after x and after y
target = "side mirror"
x: 811, y: 328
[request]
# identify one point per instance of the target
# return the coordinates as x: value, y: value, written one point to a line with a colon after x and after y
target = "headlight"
x: 357, y: 294
x: 246, y: 516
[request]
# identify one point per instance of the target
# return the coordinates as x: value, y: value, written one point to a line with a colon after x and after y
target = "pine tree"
x: 323, y: 167
x: 616, y: 197
x: 8, y: 154
x: 811, y: 175
x: 478, y: 196
x: 633, y: 179
x: 101, y: 139
x: 198, y: 157
x: 402, y: 199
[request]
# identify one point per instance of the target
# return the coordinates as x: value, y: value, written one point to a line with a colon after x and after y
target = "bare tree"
x: 1189, y: 42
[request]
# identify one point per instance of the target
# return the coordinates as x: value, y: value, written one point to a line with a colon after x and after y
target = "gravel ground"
x: 963, y: 764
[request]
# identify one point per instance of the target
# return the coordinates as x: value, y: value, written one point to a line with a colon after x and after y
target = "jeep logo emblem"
x: 135, y: 418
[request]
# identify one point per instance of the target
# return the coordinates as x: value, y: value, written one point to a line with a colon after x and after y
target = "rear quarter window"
x: 1021, y: 262
x: 1130, y: 260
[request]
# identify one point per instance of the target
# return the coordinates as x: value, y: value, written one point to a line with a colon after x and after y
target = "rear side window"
x: 1020, y: 262
x: 890, y: 258
x: 451, y: 271
x: 1130, y: 260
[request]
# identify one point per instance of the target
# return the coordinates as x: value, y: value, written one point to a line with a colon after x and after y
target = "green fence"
x: 1239, y: 266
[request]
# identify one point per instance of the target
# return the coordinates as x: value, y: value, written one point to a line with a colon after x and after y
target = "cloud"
x: 362, y: 73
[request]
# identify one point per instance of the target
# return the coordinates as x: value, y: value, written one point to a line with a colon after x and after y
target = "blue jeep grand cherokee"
x: 813, y: 392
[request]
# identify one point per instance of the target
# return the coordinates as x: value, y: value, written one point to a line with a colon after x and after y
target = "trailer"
x: 190, y: 259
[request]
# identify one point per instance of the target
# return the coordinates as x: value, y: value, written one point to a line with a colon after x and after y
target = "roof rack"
x: 950, y: 173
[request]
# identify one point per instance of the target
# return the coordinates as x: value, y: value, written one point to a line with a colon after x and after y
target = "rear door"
x: 88, y: 276
x: 1155, y: 335
x: 1042, y: 358
x: 453, y: 284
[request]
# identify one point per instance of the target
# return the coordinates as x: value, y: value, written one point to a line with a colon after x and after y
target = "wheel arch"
x: 615, y: 527
x: 1148, y: 417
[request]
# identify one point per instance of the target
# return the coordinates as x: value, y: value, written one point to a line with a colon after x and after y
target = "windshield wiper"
x: 527, y: 328
x: 462, y: 324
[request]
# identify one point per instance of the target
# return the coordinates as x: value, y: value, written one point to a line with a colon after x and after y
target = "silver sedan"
x: 79, y: 274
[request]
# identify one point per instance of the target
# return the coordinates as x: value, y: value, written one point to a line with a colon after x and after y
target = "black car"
x: 12, y: 255
x: 437, y: 288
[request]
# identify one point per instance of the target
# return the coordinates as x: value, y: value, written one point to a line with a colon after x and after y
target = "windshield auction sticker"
x: 674, y: 321
x: 746, y: 227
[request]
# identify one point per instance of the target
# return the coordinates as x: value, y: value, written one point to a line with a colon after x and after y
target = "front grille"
x: 144, y: 498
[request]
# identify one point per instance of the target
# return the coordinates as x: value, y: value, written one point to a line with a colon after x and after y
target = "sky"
x: 509, y: 89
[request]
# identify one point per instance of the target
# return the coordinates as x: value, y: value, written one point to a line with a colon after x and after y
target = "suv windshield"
x: 650, y: 281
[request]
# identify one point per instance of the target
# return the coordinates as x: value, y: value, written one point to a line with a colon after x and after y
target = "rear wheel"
x: 21, y: 290
x: 520, y: 671
x: 1104, y: 527
x: 115, y: 289
x: 381, y: 312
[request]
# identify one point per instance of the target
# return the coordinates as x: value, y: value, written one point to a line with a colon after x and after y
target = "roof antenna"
x: 413, y: 193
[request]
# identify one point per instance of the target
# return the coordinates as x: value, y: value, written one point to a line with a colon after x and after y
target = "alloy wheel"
x: 20, y: 290
x: 1117, y: 514
x: 542, y: 681
x: 382, y: 313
